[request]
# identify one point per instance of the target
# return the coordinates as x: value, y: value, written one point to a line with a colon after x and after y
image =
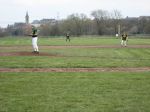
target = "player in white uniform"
x: 34, y: 40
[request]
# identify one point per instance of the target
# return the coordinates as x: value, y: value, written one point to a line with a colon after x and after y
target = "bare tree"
x: 100, y: 17
x: 116, y: 19
x: 2, y: 32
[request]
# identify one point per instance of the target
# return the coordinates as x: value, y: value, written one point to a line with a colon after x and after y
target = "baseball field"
x: 94, y: 74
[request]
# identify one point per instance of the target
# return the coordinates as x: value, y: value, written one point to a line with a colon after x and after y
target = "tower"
x: 27, y: 18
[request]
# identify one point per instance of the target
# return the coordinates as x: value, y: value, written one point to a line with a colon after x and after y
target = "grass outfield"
x: 74, y: 41
x: 75, y: 92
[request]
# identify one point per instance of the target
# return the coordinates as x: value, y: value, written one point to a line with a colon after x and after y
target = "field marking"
x: 138, y: 69
x: 27, y: 54
x: 74, y: 46
x: 3, y: 54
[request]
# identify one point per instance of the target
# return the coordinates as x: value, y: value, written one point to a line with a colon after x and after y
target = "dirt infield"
x: 15, y: 48
x: 75, y: 46
x: 18, y: 53
x: 27, y: 54
x: 140, y: 69
x: 98, y: 46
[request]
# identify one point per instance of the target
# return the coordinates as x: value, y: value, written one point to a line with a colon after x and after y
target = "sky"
x: 14, y: 10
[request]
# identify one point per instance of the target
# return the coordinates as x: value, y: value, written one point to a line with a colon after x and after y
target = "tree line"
x: 102, y: 22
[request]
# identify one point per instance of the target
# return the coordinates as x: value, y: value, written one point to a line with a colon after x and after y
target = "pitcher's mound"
x: 25, y: 54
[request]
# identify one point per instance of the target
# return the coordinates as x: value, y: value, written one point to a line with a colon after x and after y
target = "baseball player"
x: 67, y: 36
x: 35, y: 39
x: 124, y: 39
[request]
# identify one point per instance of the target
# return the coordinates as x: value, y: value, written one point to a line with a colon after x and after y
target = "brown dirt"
x: 75, y: 46
x: 26, y: 54
x: 98, y: 46
x: 3, y: 48
x: 140, y: 69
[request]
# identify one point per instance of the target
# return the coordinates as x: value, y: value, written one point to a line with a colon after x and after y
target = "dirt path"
x: 140, y: 69
x: 74, y: 46
x: 15, y: 48
x: 27, y: 54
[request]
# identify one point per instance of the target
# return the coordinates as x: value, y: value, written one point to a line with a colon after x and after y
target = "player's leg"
x: 125, y: 43
x: 33, y: 45
x: 36, y: 46
x: 69, y: 39
x: 122, y: 42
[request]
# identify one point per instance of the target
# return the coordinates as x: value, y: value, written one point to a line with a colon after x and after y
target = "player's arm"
x: 27, y: 34
x: 32, y: 35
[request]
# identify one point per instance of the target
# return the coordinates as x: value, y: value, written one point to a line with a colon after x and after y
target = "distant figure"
x: 124, y: 39
x: 35, y: 39
x: 67, y: 36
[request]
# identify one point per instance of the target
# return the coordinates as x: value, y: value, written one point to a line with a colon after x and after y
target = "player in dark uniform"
x: 67, y: 37
x: 124, y: 39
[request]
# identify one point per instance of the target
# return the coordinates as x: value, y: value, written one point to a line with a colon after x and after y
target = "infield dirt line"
x: 75, y: 46
x: 138, y: 69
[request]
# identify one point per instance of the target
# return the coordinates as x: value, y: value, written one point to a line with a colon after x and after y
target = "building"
x: 36, y: 23
x: 145, y: 18
x: 44, y: 22
x: 47, y: 21
x: 131, y: 18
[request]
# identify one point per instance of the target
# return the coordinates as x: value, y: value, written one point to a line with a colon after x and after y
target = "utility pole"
x: 119, y: 30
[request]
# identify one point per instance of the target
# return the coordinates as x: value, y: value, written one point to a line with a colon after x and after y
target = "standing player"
x: 35, y: 39
x: 67, y: 36
x: 124, y: 39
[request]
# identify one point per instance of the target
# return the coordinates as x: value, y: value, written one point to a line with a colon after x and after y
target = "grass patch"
x: 74, y: 92
x: 74, y: 41
x: 81, y: 58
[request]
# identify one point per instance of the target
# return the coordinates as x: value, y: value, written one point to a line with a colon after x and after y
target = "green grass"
x: 75, y: 92
x: 74, y: 41
x: 80, y: 57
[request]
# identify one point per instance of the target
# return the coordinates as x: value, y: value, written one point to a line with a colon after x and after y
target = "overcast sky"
x: 14, y: 10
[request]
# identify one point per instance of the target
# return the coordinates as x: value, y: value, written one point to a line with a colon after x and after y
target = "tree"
x: 100, y: 17
x: 116, y: 19
x: 45, y: 30
x: 77, y: 24
x: 2, y: 32
x: 147, y: 27
x: 141, y: 25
